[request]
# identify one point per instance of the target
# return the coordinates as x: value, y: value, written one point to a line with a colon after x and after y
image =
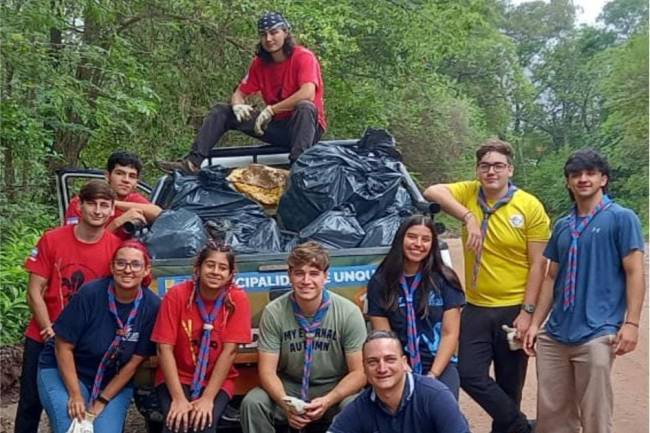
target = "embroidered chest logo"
x: 517, y: 221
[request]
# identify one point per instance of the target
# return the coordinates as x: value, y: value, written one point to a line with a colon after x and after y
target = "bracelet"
x: 102, y: 399
x: 464, y: 218
x: 627, y: 322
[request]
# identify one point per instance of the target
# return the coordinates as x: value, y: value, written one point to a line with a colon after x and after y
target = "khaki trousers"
x: 574, y: 387
x: 260, y: 414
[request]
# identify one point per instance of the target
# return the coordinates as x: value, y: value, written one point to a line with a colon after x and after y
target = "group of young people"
x: 429, y: 336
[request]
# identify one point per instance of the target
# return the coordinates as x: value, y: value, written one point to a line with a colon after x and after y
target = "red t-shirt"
x: 67, y: 264
x: 278, y: 81
x: 176, y: 315
x: 73, y: 212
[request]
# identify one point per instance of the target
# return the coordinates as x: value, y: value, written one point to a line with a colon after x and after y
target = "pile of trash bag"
x: 229, y: 215
x: 343, y: 195
x: 362, y: 180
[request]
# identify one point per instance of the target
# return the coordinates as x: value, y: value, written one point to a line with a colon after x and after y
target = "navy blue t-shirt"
x: 600, y: 281
x: 429, y: 328
x: 88, y: 324
x: 427, y: 406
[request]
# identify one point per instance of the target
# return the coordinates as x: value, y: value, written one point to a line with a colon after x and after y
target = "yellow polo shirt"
x: 504, y: 262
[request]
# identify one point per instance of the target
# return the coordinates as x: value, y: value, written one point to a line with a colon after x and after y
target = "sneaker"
x: 230, y: 414
x: 185, y: 166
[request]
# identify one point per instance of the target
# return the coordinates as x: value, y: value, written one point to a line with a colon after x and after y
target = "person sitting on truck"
x: 416, y: 295
x: 63, y: 260
x: 199, y: 328
x: 123, y: 171
x: 288, y: 78
x: 397, y: 400
x: 309, y: 349
x: 102, y: 336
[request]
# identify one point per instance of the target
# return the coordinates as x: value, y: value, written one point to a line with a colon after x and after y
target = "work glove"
x: 242, y: 112
x: 263, y: 120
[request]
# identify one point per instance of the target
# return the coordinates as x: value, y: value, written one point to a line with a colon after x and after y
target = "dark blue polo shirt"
x: 427, y: 406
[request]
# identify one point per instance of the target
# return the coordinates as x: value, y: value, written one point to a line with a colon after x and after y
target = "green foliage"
x: 84, y: 78
x: 625, y: 129
x: 545, y: 179
x: 21, y: 226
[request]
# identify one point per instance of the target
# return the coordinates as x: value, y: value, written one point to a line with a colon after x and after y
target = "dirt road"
x: 630, y: 379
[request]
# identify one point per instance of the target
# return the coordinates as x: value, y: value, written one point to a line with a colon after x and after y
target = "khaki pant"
x: 574, y: 387
x: 260, y: 414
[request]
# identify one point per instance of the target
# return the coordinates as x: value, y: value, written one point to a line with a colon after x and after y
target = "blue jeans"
x: 54, y: 397
x: 451, y: 378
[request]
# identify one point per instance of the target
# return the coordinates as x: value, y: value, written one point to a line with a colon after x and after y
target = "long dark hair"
x: 287, y: 49
x: 216, y: 247
x: 432, y: 268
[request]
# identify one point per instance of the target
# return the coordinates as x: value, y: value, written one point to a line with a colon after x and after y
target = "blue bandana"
x: 270, y: 21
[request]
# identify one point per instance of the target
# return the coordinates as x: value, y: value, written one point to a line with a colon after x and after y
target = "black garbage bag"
x: 403, y: 200
x: 337, y: 228
x: 364, y: 174
x: 229, y: 215
x: 255, y: 235
x: 381, y: 232
x: 175, y: 234
x: 209, y: 195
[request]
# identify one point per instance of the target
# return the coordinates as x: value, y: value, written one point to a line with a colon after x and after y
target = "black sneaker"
x: 230, y: 414
x: 185, y: 166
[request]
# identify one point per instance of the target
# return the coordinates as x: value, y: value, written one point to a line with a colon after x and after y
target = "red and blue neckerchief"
x: 411, y: 324
x: 204, y: 349
x: 310, y: 330
x: 488, y: 211
x: 572, y: 260
x: 123, y: 330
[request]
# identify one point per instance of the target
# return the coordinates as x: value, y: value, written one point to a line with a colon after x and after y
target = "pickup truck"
x: 263, y: 275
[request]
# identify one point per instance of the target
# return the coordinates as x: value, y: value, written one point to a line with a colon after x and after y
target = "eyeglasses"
x: 498, y: 167
x: 135, y: 265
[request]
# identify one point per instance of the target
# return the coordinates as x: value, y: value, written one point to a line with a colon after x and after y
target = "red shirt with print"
x: 67, y: 264
x: 73, y: 212
x: 278, y: 81
x: 178, y: 316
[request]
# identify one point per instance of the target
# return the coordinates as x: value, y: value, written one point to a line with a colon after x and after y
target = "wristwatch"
x: 528, y: 308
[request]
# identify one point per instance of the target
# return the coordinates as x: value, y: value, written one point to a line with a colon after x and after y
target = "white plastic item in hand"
x: 296, y: 405
x: 513, y: 342
x: 84, y: 426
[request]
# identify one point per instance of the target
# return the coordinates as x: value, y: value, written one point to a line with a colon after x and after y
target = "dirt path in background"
x: 630, y: 385
x: 630, y: 378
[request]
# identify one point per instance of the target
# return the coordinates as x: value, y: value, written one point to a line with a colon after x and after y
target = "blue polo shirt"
x: 429, y: 328
x: 88, y: 324
x: 600, y: 281
x: 427, y: 406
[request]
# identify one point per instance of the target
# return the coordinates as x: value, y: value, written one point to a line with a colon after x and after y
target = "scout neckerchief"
x: 122, y: 331
x: 411, y: 329
x: 487, y: 213
x: 572, y: 261
x: 204, y: 350
x: 310, y: 330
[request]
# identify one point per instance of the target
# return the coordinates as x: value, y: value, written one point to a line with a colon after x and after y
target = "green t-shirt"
x: 343, y: 331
